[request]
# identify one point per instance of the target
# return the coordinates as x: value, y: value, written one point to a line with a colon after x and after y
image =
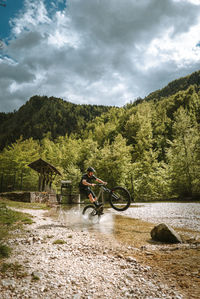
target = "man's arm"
x: 100, y: 181
x: 86, y: 183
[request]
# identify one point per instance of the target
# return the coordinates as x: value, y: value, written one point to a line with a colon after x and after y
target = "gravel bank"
x: 85, y: 266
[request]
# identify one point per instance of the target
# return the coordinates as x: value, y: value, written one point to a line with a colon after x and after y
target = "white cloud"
x: 196, y: 2
x: 35, y: 14
x: 181, y: 48
x: 61, y: 33
x: 98, y: 52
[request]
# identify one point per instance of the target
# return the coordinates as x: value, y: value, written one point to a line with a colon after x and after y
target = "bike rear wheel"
x: 119, y: 198
x: 90, y: 214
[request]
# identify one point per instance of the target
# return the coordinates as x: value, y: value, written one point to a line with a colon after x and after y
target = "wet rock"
x: 164, y: 233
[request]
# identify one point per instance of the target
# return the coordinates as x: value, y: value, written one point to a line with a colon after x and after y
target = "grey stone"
x: 8, y: 283
x: 165, y: 233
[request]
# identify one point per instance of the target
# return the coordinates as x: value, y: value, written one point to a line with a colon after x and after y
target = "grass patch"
x: 35, y: 277
x: 15, y: 269
x: 9, y: 221
x: 9, y: 217
x: 4, y: 251
x: 49, y: 236
x: 59, y: 242
x: 24, y: 205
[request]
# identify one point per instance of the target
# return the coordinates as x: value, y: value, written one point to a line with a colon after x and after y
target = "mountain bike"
x: 118, y: 197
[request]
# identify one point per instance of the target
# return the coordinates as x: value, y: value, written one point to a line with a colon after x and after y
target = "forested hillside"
x: 41, y: 115
x: 175, y: 86
x: 152, y: 146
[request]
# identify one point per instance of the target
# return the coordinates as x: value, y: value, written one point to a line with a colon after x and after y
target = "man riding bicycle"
x: 86, y: 183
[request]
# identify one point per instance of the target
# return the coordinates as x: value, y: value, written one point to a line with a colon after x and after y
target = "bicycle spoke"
x: 90, y: 214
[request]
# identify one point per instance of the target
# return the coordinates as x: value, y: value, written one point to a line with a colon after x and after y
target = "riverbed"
x: 63, y: 256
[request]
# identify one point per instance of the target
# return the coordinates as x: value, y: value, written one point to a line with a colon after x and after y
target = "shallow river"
x: 180, y: 215
x: 184, y: 215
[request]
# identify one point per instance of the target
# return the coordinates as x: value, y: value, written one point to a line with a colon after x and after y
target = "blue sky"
x: 95, y: 51
x: 12, y: 7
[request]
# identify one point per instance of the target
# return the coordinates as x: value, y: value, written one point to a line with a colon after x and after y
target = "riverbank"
x: 54, y: 260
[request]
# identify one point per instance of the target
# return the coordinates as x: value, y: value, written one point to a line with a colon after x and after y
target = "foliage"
x: 59, y: 242
x: 183, y: 156
x: 41, y: 115
x: 5, y: 251
x: 13, y: 269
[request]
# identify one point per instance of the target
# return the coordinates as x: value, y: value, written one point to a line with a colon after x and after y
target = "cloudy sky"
x: 95, y: 51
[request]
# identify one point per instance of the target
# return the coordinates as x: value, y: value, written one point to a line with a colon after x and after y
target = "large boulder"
x: 164, y: 233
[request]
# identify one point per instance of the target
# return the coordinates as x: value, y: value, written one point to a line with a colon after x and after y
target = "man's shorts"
x: 87, y: 191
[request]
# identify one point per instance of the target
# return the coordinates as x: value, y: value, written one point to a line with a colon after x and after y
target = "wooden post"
x: 40, y: 183
x: 43, y: 182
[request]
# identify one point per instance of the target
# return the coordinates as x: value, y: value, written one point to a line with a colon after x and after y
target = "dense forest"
x: 151, y: 146
x: 41, y: 115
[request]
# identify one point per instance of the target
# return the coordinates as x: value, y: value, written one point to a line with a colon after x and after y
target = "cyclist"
x: 86, y: 183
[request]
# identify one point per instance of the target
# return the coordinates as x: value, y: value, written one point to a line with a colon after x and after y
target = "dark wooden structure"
x: 47, y: 174
x: 66, y: 185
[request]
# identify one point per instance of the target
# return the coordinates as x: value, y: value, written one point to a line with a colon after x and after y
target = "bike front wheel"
x: 119, y: 198
x: 90, y: 214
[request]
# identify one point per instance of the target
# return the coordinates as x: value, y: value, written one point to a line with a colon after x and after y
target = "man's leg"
x: 94, y: 200
x: 91, y: 198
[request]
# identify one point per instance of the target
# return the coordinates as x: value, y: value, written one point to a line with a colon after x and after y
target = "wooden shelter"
x: 47, y: 174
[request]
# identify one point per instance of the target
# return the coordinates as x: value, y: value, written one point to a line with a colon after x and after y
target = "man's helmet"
x: 91, y: 169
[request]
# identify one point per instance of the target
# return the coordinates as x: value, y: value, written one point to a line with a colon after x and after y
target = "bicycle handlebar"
x: 104, y: 186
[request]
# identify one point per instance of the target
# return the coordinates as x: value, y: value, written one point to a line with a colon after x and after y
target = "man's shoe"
x: 100, y: 211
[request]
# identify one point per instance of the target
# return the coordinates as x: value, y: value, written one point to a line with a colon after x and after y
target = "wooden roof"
x: 43, y: 167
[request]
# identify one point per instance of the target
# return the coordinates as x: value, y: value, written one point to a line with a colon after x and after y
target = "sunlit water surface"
x: 181, y: 215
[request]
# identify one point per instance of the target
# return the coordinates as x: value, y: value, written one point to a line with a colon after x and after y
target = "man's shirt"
x: 87, y: 178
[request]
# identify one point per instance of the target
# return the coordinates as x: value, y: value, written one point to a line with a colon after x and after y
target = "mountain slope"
x: 175, y: 86
x: 42, y: 114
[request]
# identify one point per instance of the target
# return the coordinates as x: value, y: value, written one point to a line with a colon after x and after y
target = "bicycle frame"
x: 101, y: 192
x: 119, y: 199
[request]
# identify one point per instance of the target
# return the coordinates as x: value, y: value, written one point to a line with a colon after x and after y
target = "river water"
x: 180, y: 215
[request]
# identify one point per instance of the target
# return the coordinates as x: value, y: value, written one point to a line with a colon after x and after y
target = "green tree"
x: 14, y: 162
x: 113, y: 162
x: 183, y: 156
x: 149, y: 175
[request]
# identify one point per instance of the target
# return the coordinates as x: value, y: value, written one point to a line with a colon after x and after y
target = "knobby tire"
x: 119, y: 198
x: 91, y: 214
